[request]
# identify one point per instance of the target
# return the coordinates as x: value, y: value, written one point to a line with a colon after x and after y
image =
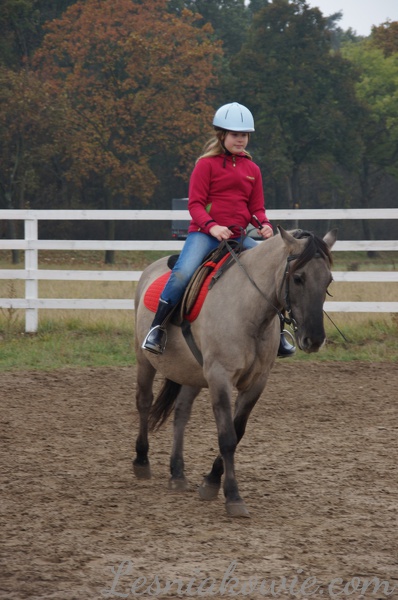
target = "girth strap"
x: 187, y: 333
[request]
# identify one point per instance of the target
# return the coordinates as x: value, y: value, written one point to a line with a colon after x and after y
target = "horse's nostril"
x: 312, y: 344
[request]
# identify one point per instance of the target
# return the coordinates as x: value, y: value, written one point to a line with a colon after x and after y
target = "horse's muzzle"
x: 310, y: 344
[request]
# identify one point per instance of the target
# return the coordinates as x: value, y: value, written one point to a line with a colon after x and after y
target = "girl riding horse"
x: 225, y: 188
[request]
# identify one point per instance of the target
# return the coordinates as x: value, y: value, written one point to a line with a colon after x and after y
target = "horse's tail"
x: 164, y: 404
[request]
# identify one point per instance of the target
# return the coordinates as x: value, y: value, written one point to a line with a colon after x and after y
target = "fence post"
x: 31, y: 283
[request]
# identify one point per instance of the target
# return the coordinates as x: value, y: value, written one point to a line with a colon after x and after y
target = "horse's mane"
x: 314, y: 248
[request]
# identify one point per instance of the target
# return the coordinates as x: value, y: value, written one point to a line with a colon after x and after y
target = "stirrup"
x: 285, y: 348
x: 158, y: 343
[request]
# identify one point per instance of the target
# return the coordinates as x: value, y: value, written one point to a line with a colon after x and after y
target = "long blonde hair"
x: 215, y: 145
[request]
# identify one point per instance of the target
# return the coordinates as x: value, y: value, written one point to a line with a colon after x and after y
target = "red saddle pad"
x: 152, y: 294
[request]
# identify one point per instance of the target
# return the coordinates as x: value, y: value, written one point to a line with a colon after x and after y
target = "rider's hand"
x: 266, y: 232
x: 220, y: 232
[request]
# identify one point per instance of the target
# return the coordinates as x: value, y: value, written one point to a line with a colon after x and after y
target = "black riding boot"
x: 285, y: 349
x: 156, y: 338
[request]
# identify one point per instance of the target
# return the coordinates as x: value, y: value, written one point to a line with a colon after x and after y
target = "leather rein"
x: 288, y: 320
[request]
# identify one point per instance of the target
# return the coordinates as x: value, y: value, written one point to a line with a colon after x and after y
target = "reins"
x: 283, y: 319
x: 288, y: 320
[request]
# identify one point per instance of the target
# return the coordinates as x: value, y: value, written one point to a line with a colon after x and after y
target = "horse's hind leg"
x: 144, y: 398
x: 182, y: 413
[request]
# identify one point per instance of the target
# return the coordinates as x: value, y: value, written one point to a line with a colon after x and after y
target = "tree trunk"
x: 110, y: 227
x: 12, y: 231
x: 110, y: 235
x: 366, y: 196
x: 293, y: 188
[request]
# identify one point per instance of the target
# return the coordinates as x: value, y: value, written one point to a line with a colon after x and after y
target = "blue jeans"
x: 196, y: 247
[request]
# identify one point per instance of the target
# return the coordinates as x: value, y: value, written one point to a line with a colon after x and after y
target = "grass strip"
x: 75, y: 344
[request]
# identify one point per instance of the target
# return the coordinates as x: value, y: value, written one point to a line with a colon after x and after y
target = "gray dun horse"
x: 236, y: 336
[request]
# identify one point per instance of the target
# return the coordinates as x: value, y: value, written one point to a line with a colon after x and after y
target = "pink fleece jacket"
x: 226, y: 190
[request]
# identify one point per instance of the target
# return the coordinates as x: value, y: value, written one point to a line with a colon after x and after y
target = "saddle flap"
x: 204, y: 277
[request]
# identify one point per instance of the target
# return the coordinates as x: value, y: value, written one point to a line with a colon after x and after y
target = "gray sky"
x: 360, y: 15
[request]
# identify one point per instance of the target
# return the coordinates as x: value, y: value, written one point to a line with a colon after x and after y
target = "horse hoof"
x: 178, y: 485
x: 237, y: 509
x: 208, y: 491
x: 142, y: 471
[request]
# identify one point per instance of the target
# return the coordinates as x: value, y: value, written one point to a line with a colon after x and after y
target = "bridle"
x: 285, y: 320
x: 286, y: 316
x: 288, y: 320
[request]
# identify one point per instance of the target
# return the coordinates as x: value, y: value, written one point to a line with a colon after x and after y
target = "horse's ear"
x: 287, y: 237
x: 330, y: 238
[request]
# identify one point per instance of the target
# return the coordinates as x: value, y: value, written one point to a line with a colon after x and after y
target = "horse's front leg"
x: 144, y: 398
x: 182, y: 413
x: 221, y: 393
x: 244, y: 405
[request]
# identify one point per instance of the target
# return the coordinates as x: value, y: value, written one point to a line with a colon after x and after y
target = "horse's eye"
x: 298, y: 279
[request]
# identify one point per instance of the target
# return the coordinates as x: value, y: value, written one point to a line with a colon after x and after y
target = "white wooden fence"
x: 31, y: 244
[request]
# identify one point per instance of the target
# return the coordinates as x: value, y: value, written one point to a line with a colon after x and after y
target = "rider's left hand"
x: 266, y: 232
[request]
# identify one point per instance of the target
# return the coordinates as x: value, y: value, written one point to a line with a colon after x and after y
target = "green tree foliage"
x: 301, y: 92
x: 30, y: 133
x: 377, y: 89
x: 21, y: 24
x: 18, y: 26
x: 31, y: 126
x: 229, y: 19
x: 136, y: 80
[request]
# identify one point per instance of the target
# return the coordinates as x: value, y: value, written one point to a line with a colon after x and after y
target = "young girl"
x: 225, y: 196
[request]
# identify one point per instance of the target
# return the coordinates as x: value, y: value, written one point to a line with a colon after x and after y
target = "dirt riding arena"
x: 318, y: 469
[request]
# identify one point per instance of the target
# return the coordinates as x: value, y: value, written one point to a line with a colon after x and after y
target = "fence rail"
x: 31, y: 244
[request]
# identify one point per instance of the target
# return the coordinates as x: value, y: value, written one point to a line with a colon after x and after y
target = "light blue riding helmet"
x: 234, y: 117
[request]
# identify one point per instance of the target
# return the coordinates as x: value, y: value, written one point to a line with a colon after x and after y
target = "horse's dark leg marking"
x: 212, y: 481
x: 144, y: 398
x: 182, y: 413
x: 245, y: 402
x: 227, y: 441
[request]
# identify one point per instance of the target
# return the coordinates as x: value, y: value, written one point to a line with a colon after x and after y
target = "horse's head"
x: 307, y: 277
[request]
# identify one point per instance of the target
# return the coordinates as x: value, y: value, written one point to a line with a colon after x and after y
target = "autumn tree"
x: 136, y: 79
x: 385, y: 37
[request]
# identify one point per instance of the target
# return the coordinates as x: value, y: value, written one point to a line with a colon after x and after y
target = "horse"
x: 236, y: 337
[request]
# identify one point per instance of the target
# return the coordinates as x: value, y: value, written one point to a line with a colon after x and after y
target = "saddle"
x: 206, y: 275
x: 209, y: 272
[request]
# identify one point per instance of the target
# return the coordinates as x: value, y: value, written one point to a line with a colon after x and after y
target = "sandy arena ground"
x: 318, y: 469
